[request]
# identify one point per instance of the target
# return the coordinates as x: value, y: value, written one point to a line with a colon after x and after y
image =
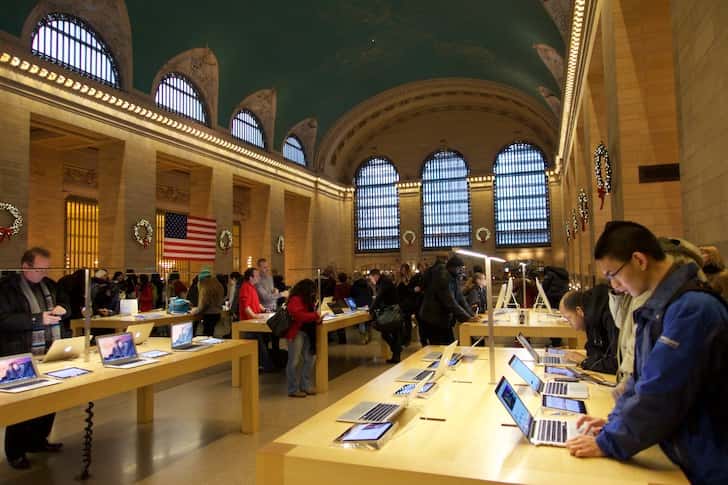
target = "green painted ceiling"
x: 326, y: 56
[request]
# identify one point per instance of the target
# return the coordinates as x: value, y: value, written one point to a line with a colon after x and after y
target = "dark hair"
x: 236, y: 276
x: 454, y: 262
x: 249, y: 273
x: 343, y: 277
x: 306, y: 290
x: 375, y: 272
x: 30, y: 255
x: 573, y: 299
x: 119, y: 273
x: 621, y: 239
x: 261, y: 260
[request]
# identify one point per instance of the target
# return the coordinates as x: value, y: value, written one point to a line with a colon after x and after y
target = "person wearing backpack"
x: 386, y: 307
x: 676, y: 397
x: 301, y: 338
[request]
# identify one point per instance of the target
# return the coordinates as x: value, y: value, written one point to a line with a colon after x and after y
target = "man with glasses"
x: 677, y: 396
x: 31, y: 307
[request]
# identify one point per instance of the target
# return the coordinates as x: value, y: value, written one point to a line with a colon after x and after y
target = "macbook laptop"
x: 436, y: 356
x: 19, y: 373
x: 335, y: 307
x: 182, y: 334
x: 350, y: 303
x: 417, y: 375
x: 345, y: 308
x: 140, y: 332
x: 573, y: 390
x: 543, y: 359
x: 65, y: 348
x: 377, y: 412
x: 554, y: 432
x: 118, y: 351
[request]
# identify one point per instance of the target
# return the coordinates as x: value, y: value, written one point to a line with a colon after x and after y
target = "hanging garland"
x: 144, y: 239
x: 574, y: 223
x: 583, y: 208
x: 225, y: 240
x: 409, y: 237
x: 14, y: 228
x: 604, y: 185
x: 568, y: 232
x: 479, y: 234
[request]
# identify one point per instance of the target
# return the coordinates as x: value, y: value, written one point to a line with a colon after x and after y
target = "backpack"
x: 280, y: 322
x: 388, y: 319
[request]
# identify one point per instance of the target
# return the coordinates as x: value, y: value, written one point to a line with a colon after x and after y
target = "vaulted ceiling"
x: 325, y: 57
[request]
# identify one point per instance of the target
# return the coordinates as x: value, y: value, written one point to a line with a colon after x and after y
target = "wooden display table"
x: 539, y: 325
x: 105, y: 382
x: 322, y: 339
x: 118, y: 323
x: 471, y: 446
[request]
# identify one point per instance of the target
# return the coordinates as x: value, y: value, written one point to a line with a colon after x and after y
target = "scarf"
x: 43, y: 335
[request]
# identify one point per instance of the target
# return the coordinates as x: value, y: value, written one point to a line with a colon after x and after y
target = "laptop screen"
x: 514, y: 406
x: 181, y: 334
x: 16, y: 368
x: 116, y: 347
x: 351, y: 303
x: 527, y: 345
x: 525, y: 373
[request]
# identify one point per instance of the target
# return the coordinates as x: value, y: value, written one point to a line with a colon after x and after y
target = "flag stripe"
x: 189, y: 238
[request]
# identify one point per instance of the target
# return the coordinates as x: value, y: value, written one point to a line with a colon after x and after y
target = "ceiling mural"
x: 323, y: 58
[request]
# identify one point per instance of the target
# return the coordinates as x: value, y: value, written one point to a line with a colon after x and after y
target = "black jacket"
x: 477, y: 296
x: 386, y: 295
x: 443, y: 300
x: 360, y: 292
x: 16, y: 321
x: 601, y: 333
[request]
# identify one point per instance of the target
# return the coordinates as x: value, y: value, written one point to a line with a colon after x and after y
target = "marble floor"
x: 195, y: 436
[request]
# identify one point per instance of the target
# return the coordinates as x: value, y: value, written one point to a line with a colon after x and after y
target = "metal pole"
x: 489, y: 299
x: 523, y: 270
x: 87, y: 312
x: 318, y: 287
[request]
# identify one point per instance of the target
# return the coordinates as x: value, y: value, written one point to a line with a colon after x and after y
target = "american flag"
x: 187, y: 237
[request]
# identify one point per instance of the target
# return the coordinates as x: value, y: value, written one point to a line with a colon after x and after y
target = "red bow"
x: 5, y: 232
x: 602, y: 193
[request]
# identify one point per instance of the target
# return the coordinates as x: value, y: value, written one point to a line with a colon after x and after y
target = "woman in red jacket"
x: 302, y: 338
x: 145, y: 294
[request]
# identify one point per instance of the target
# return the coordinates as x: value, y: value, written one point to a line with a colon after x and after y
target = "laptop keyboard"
x: 423, y: 375
x: 552, y: 431
x: 379, y: 412
x: 558, y: 388
x: 550, y: 359
x: 26, y: 384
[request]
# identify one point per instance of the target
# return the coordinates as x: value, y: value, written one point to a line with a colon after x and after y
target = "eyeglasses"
x: 611, y: 276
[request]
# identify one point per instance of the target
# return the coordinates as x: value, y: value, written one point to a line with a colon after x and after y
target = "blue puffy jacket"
x: 675, y: 397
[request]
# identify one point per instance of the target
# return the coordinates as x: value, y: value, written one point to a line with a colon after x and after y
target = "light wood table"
x: 105, y: 382
x: 471, y: 446
x: 118, y: 323
x: 539, y: 325
x: 321, y: 364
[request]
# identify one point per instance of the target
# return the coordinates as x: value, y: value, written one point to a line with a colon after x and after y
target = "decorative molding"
x: 171, y: 193
x: 263, y: 104
x: 553, y: 60
x: 80, y: 176
x: 306, y: 131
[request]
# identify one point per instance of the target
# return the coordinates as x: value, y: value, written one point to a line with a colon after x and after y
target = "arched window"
x: 72, y: 43
x: 293, y: 150
x: 376, y: 209
x: 246, y: 126
x: 521, y: 197
x: 445, y: 201
x: 177, y: 94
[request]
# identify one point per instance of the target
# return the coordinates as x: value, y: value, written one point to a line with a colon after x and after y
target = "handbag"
x: 280, y: 322
x: 388, y: 319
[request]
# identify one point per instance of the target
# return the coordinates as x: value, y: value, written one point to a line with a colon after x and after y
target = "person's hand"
x: 105, y: 312
x: 417, y: 289
x: 590, y: 424
x: 50, y: 319
x: 618, y: 391
x: 575, y: 357
x: 58, y: 311
x: 584, y: 447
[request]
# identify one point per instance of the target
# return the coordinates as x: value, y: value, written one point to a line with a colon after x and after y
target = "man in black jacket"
x: 443, y: 302
x: 588, y: 311
x: 30, y: 306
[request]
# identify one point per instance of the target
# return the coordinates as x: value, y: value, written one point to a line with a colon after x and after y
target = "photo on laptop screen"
x: 182, y: 334
x: 116, y: 347
x: 16, y: 368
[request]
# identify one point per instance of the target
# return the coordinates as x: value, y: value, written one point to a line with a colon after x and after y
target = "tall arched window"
x: 293, y: 150
x: 445, y: 201
x: 177, y: 94
x: 73, y: 44
x: 521, y: 197
x: 246, y: 126
x: 376, y: 209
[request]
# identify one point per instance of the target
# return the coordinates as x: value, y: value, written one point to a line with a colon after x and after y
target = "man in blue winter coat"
x: 677, y: 397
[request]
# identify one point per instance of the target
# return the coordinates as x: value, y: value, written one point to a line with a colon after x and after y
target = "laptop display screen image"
x: 181, y: 335
x: 515, y: 407
x: 116, y: 347
x: 526, y: 373
x: 16, y: 369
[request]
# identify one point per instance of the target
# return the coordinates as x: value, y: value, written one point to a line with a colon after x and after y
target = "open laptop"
x: 182, y: 334
x: 554, y: 432
x: 429, y: 374
x: 350, y: 303
x: 377, y: 412
x: 119, y: 352
x: 572, y: 390
x: 19, y: 373
x: 501, y: 297
x: 345, y: 307
x: 335, y: 307
x: 65, y: 348
x: 140, y: 332
x: 544, y: 359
